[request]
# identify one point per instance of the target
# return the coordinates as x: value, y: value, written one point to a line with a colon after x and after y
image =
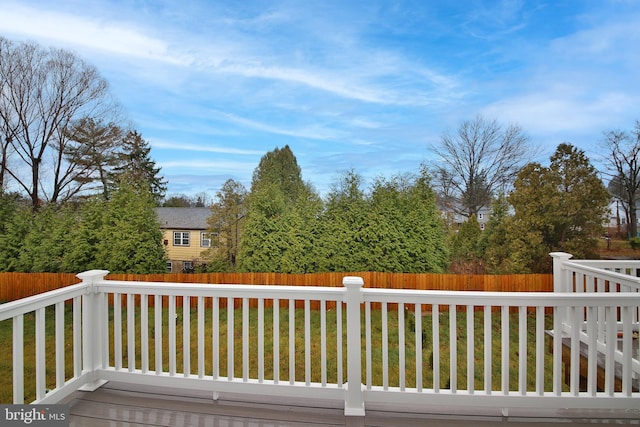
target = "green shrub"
x: 635, y: 243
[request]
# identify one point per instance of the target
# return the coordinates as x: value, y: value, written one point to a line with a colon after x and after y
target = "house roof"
x: 183, y: 218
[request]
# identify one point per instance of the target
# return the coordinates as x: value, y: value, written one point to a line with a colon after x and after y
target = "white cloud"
x: 578, y: 85
x: 216, y: 165
x: 172, y: 145
x: 307, y: 132
x: 555, y: 111
x: 88, y: 32
x: 324, y: 81
x: 361, y: 73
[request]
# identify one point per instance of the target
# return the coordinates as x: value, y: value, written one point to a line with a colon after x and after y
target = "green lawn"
x: 377, y: 378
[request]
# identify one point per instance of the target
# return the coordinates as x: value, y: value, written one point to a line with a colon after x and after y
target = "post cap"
x: 91, y: 275
x: 353, y: 281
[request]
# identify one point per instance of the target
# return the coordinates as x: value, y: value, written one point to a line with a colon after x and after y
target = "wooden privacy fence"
x: 14, y: 286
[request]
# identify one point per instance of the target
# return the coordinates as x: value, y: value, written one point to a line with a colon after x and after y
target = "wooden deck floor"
x: 117, y: 404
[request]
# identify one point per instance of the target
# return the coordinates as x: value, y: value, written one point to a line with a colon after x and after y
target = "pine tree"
x: 94, y: 148
x: 134, y: 163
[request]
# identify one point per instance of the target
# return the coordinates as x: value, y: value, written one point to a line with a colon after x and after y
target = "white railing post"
x: 354, y: 403
x: 559, y: 258
x: 561, y: 282
x: 93, y: 335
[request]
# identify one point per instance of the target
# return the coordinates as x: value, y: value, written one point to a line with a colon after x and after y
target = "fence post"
x: 93, y: 335
x: 354, y: 403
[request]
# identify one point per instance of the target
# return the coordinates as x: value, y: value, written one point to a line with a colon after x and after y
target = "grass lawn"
x: 616, y: 248
x: 284, y: 368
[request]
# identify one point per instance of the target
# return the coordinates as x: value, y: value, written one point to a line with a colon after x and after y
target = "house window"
x: 205, y: 239
x: 187, y: 266
x: 180, y: 238
x: 169, y: 266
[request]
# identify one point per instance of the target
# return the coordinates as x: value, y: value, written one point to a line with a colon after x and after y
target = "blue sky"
x: 368, y: 85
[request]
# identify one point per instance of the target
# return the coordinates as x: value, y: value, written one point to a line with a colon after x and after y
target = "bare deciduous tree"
x: 43, y: 91
x: 481, y: 158
x: 624, y: 164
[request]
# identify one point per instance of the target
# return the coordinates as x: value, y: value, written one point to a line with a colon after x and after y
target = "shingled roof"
x: 183, y: 218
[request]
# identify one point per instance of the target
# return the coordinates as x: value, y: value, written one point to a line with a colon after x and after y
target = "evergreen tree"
x: 405, y: 232
x: 93, y: 147
x: 301, y: 235
x: 273, y: 220
x: 9, y: 204
x: 16, y: 221
x: 131, y: 239
x: 341, y: 246
x: 493, y: 245
x: 425, y: 228
x: 280, y: 168
x: 395, y: 228
x: 465, y: 248
x: 260, y: 247
x: 134, y: 163
x: 47, y: 241
x: 559, y: 208
x: 86, y: 236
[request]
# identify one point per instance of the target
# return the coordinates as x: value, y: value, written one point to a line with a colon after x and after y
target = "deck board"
x: 118, y: 404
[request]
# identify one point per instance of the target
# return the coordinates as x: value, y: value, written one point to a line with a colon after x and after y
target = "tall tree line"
x: 396, y: 225
x: 287, y: 227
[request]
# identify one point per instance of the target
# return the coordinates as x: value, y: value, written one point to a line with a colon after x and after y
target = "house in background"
x: 455, y: 219
x: 185, y: 236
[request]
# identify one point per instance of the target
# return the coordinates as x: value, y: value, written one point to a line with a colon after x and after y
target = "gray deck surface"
x: 118, y: 404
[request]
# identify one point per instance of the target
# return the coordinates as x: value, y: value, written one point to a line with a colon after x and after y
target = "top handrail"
x: 580, y: 266
x: 25, y: 305
x: 220, y: 290
x: 495, y: 299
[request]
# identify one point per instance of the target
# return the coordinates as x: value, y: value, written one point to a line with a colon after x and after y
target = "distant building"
x: 185, y: 236
x: 456, y: 219
x: 617, y: 222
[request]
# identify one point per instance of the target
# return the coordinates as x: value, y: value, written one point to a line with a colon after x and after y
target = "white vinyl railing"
x: 609, y: 331
x: 354, y: 344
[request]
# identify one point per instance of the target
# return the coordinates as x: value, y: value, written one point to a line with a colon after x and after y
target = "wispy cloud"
x: 205, y: 164
x: 113, y: 37
x: 172, y: 145
x: 546, y: 112
x: 308, y: 132
x: 496, y: 21
x: 364, y: 78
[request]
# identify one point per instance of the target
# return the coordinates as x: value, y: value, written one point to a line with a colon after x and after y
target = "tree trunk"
x: 35, y: 187
x: 633, y: 220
